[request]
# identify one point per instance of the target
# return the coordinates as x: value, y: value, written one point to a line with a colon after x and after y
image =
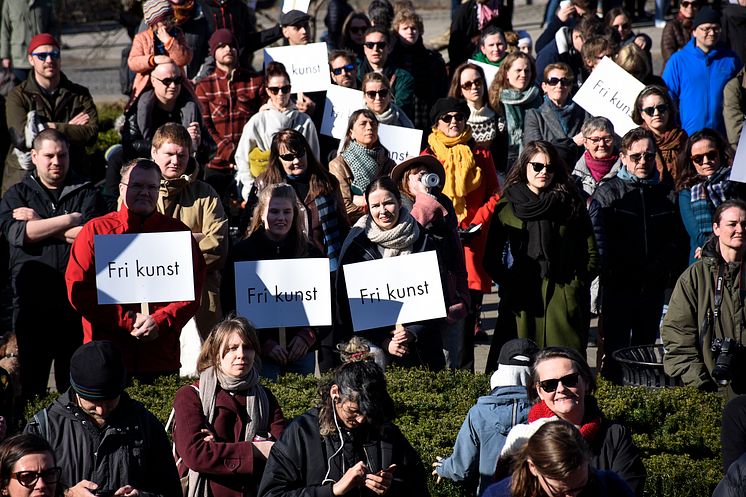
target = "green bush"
x: 676, y: 429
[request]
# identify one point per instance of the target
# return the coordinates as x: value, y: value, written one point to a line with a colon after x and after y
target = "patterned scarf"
x: 707, y: 195
x: 516, y: 102
x: 462, y: 174
x: 395, y: 241
x: 487, y: 11
x: 590, y: 429
x: 330, y: 227
x: 365, y: 164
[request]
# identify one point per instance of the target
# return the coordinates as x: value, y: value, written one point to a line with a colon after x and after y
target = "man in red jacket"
x: 149, y: 342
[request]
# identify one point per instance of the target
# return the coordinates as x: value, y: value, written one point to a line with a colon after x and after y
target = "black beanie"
x: 446, y: 105
x: 706, y: 15
x: 97, y: 371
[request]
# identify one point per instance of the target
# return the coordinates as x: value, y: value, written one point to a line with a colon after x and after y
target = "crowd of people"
x: 517, y: 186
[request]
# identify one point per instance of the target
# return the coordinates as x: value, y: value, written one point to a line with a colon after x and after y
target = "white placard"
x: 490, y: 72
x: 340, y: 103
x: 738, y: 172
x: 284, y: 292
x: 394, y: 290
x: 400, y: 142
x: 302, y: 5
x: 144, y: 267
x: 610, y: 91
x: 307, y: 65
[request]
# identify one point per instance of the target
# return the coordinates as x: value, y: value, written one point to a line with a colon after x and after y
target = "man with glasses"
x: 106, y: 443
x: 642, y: 237
x: 697, y: 74
x: 47, y: 99
x: 149, y: 341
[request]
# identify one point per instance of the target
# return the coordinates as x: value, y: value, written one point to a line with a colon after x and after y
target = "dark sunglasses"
x: 477, y: 84
x: 448, y: 118
x: 55, y: 54
x: 698, y: 159
x: 274, y: 90
x: 625, y: 25
x: 570, y: 381
x: 661, y: 108
x: 29, y: 478
x: 358, y: 29
x: 383, y: 93
x: 539, y: 167
x: 686, y: 4
x: 558, y: 81
x: 293, y: 155
x: 167, y: 81
x: 346, y: 68
x: 649, y: 157
x: 375, y: 44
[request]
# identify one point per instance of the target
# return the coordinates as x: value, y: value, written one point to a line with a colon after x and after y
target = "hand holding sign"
x: 307, y: 65
x: 145, y: 327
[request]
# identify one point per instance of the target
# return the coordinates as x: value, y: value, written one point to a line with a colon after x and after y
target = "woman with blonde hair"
x: 379, y: 99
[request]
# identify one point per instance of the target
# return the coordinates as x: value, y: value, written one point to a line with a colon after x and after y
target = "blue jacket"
x: 696, y: 81
x: 482, y: 436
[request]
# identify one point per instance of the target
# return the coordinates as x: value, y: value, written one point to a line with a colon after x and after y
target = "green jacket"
x: 551, y: 311
x: 20, y: 23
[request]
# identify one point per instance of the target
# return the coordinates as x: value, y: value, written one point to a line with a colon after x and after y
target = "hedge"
x: 676, y: 429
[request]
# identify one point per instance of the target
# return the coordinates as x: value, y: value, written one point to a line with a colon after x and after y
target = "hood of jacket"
x: 503, y: 395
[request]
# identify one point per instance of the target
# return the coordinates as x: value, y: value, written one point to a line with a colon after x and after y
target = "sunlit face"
x: 171, y: 158
x: 557, y: 86
x: 347, y: 70
x: 167, y: 81
x: 705, y: 157
x: 566, y: 402
x: 472, y: 87
x: 707, y: 35
x: 41, y: 464
x: 409, y: 33
x: 296, y: 35
x: 365, y: 131
x: 600, y: 144
x: 731, y: 229
x: 519, y: 74
x: 226, y: 55
x: 278, y: 218
x: 494, y: 47
x: 236, y: 356
x: 46, y: 61
x: 571, y: 486
x: 451, y: 124
x: 52, y: 162
x: 293, y: 163
x: 99, y: 410
x: 139, y: 189
x: 541, y: 179
x: 377, y: 96
x: 640, y: 158
x: 622, y: 26
x: 278, y: 89
x: 384, y: 208
x: 688, y: 9
x: 658, y: 122
x: 378, y: 52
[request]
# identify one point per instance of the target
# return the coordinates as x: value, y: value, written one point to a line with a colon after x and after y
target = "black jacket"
x: 302, y: 459
x: 733, y: 483
x: 131, y: 449
x: 614, y: 450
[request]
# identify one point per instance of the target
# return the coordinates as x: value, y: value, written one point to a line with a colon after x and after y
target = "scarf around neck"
x: 715, y: 187
x: 462, y: 174
x: 515, y: 102
x: 563, y: 113
x: 365, y: 164
x: 628, y: 177
x: 591, y: 427
x: 395, y: 241
x: 599, y: 167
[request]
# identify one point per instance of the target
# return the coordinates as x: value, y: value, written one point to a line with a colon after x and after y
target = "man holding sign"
x: 149, y: 341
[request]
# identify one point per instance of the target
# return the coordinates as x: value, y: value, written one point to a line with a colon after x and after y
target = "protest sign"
x: 610, y: 91
x: 340, y: 103
x: 490, y: 71
x: 400, y: 142
x: 302, y: 5
x: 738, y: 172
x: 394, y: 290
x: 129, y: 270
x: 307, y: 65
x: 284, y: 292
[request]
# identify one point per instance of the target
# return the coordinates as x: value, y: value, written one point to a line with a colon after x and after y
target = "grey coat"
x: 543, y: 123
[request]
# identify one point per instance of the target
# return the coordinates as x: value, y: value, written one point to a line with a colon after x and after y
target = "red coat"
x: 480, y: 204
x: 114, y: 321
x: 228, y: 461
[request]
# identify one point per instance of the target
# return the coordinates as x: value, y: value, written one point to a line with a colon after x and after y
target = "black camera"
x: 725, y: 350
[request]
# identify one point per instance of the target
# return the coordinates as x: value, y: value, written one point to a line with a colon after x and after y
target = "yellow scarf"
x: 462, y: 174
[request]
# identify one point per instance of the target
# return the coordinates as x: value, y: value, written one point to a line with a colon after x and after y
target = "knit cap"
x: 221, y: 37
x: 42, y: 39
x: 97, y: 371
x: 154, y: 11
x: 706, y: 15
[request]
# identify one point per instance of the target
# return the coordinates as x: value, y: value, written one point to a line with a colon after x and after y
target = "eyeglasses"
x: 570, y: 381
x: 382, y: 93
x: 648, y: 156
x: 558, y: 81
x: 596, y: 139
x: 168, y: 81
x: 138, y: 187
x: 711, y: 29
x: 274, y: 90
x: 358, y: 29
x: 661, y: 108
x: 540, y: 166
x: 712, y: 156
x: 29, y: 478
x: 448, y: 118
x: 624, y: 26
x: 346, y: 68
x: 375, y: 44
x: 555, y: 492
x: 477, y: 84
x: 686, y: 4
x: 42, y: 56
x: 293, y: 155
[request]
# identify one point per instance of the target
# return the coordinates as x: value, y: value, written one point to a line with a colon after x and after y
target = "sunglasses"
x: 167, y: 81
x: 293, y: 155
x: 570, y: 381
x: 662, y: 109
x: 29, y: 478
x: 649, y: 157
x: 382, y: 93
x: 686, y: 4
x: 698, y: 159
x: 375, y: 44
x: 274, y: 90
x: 346, y: 68
x: 540, y: 166
x: 358, y: 29
x: 477, y: 84
x: 55, y: 54
x: 626, y: 25
x: 558, y: 81
x: 448, y: 118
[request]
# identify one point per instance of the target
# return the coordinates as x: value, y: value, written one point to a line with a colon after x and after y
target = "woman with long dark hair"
x: 28, y: 468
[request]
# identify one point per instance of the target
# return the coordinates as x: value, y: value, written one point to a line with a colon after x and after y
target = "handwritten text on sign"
x: 341, y: 102
x: 394, y: 290
x: 284, y: 292
x: 129, y: 270
x: 307, y: 65
x: 400, y: 142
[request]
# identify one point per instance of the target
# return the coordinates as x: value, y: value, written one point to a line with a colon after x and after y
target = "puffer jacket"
x: 733, y: 483
x: 21, y: 20
x: 676, y: 34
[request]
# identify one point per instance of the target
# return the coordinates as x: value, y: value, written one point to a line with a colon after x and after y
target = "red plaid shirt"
x: 228, y: 102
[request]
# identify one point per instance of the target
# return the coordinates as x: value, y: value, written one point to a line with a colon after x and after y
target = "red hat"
x: 42, y: 39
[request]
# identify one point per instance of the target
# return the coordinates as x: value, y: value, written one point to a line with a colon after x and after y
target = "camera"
x: 430, y: 180
x: 726, y: 349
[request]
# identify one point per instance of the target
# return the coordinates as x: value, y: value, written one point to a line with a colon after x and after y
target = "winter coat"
x: 600, y: 484
x: 339, y: 168
x: 131, y: 449
x: 464, y: 39
x: 302, y: 460
x: 21, y: 21
x: 554, y: 310
x: 734, y: 107
x: 543, y: 123
x: 585, y: 179
x: 733, y: 483
x: 197, y: 34
x: 675, y: 36
x: 114, y: 321
x: 733, y: 22
x: 228, y: 463
x: 141, y: 58
x: 700, y: 99
x: 483, y: 433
